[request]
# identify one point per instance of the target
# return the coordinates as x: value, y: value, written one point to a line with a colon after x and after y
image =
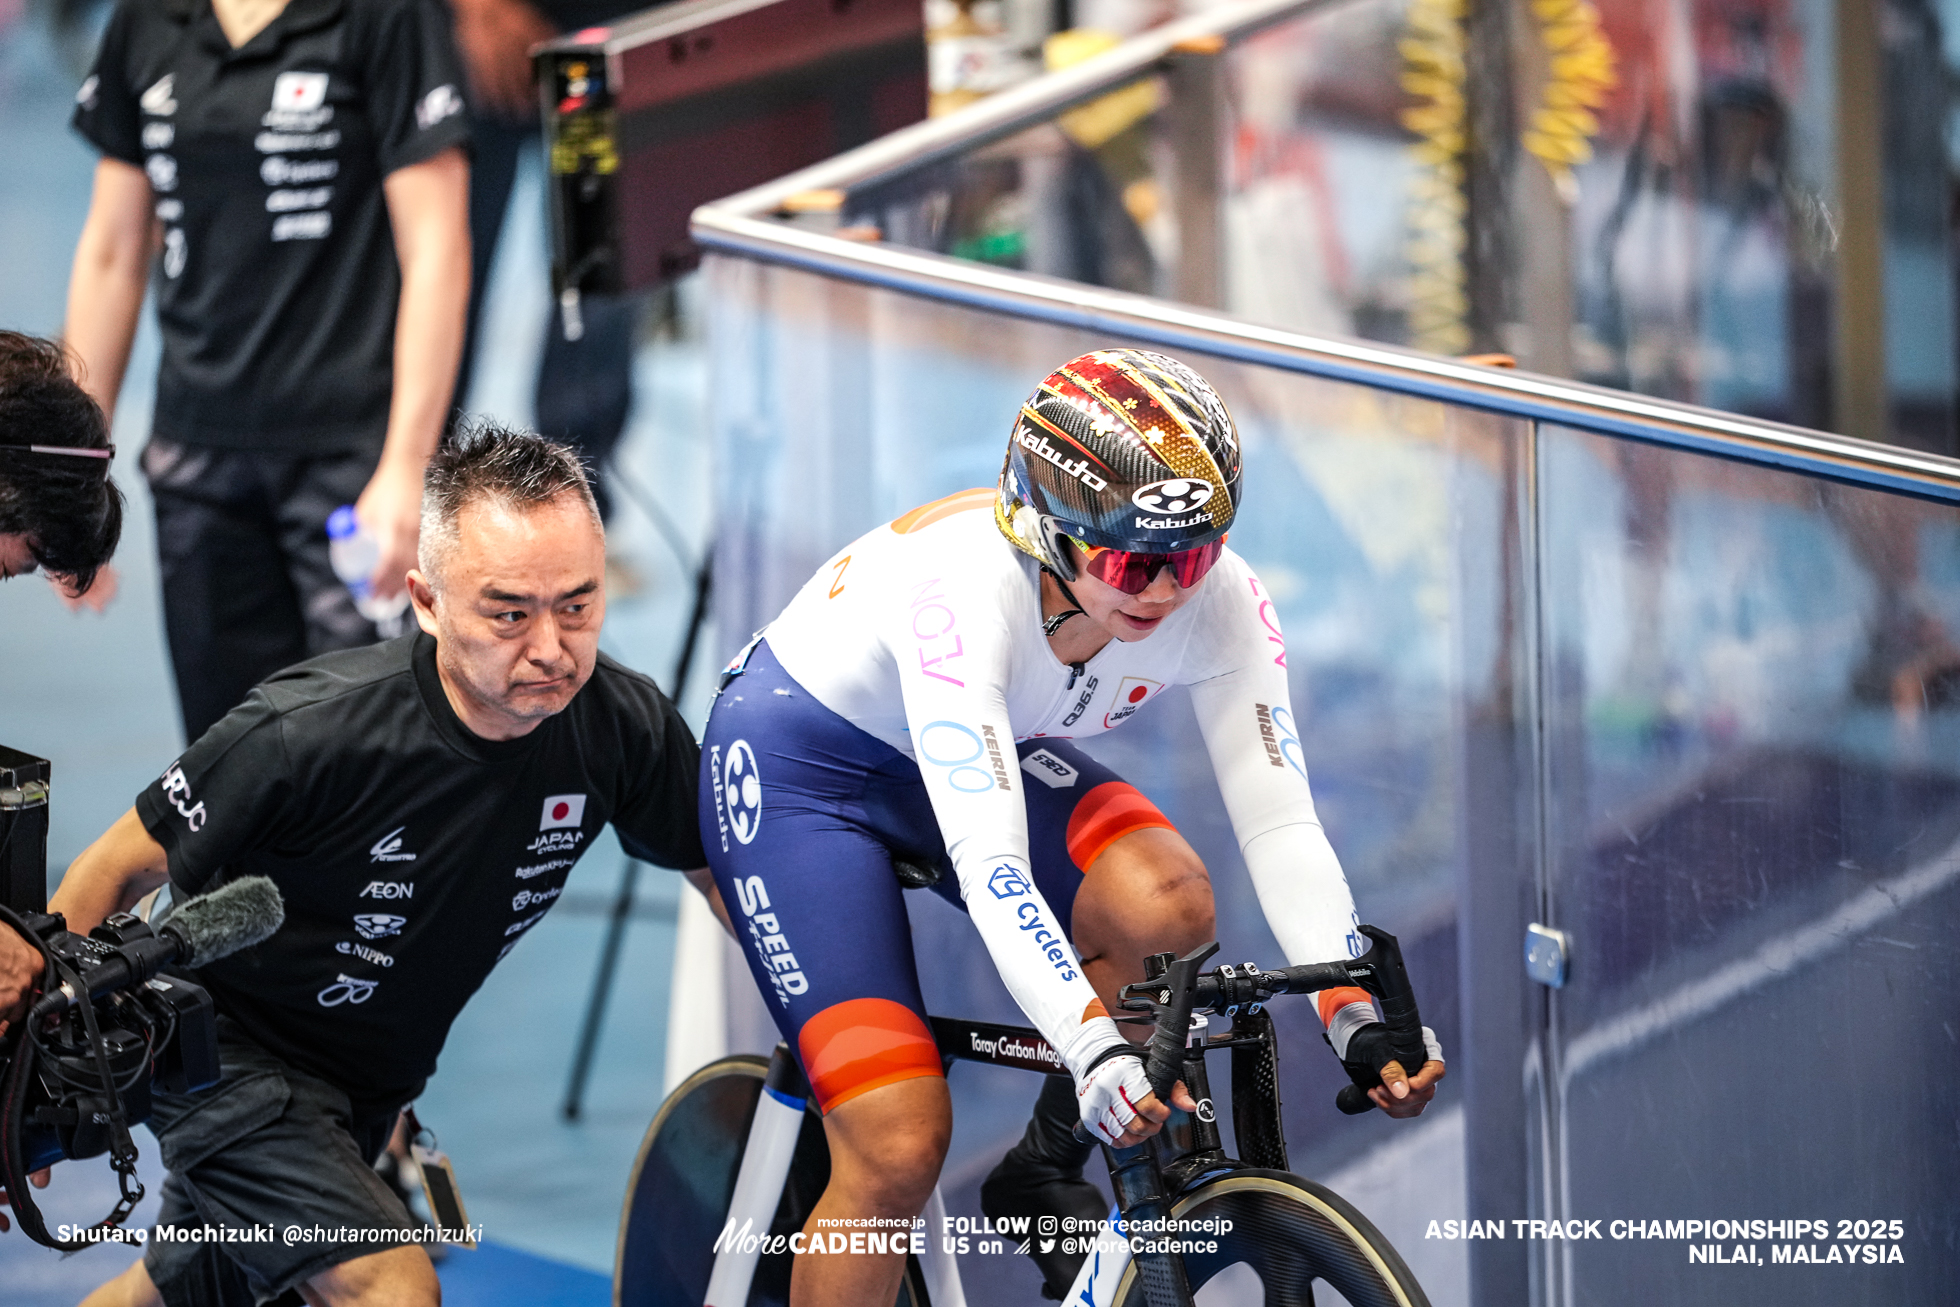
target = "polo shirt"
x: 276, y: 285
x: 411, y: 853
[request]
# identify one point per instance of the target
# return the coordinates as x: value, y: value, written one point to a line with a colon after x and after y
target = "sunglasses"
x: 1132, y: 572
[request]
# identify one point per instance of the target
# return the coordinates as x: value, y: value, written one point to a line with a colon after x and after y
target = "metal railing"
x: 750, y: 225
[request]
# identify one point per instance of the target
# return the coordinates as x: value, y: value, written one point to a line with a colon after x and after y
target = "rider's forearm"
x: 1311, y: 913
x: 1256, y: 755
x: 952, y: 657
x: 1036, y: 962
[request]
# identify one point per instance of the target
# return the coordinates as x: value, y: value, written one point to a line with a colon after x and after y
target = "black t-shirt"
x: 277, y: 283
x: 411, y: 853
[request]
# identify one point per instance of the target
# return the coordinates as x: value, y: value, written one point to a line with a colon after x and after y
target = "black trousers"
x: 585, y: 387
x: 247, y: 585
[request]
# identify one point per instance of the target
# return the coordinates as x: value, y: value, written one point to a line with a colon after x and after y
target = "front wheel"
x: 1290, y: 1232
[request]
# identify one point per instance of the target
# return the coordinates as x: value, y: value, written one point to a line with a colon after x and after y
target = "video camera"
x: 111, y: 1017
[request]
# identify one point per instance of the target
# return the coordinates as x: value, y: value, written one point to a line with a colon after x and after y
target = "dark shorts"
x: 267, y: 1148
x: 802, y: 813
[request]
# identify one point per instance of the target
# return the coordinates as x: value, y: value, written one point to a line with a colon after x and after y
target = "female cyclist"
x: 916, y: 702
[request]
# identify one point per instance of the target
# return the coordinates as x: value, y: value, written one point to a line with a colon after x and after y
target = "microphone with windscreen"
x: 124, y: 951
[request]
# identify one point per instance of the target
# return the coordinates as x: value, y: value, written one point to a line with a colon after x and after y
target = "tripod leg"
x: 595, y: 1007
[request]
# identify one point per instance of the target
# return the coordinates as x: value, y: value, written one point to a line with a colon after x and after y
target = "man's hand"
x: 20, y: 972
x: 1403, y: 1097
x: 495, y: 37
x: 1151, y: 1115
x: 390, y: 510
x: 39, y: 1179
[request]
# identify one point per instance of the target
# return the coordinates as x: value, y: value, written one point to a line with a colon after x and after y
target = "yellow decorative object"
x: 1106, y: 118
x: 1432, y: 49
x: 1581, y: 73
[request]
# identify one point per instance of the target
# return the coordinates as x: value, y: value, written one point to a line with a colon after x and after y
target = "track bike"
x: 736, y: 1159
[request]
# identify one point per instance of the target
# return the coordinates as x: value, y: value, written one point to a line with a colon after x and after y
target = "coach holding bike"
x: 916, y: 701
x: 419, y: 803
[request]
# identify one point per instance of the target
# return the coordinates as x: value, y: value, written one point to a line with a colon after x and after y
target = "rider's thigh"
x: 1148, y: 892
x: 887, y: 1144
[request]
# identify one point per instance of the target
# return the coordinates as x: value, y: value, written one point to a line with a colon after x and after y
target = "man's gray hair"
x: 481, y: 460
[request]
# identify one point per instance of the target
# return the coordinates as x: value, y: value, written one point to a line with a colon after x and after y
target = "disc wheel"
x: 1292, y: 1232
x: 682, y: 1182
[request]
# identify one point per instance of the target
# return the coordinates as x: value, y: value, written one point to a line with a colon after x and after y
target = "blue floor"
x: 93, y: 693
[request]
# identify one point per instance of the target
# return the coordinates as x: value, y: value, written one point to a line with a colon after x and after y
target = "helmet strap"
x: 1053, y: 624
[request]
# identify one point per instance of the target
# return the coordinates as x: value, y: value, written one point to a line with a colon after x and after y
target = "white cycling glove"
x: 1109, y: 1095
x: 1108, y: 1086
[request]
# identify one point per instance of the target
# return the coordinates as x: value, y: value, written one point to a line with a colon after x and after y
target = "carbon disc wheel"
x: 1292, y: 1233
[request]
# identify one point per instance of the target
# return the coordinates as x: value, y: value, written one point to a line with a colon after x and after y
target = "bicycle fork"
x: 759, y: 1184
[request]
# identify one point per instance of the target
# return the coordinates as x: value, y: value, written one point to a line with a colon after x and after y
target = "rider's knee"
x: 1156, y: 887
x: 889, y: 1144
x: 900, y: 1172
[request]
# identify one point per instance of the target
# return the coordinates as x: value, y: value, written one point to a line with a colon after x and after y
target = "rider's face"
x: 1128, y: 617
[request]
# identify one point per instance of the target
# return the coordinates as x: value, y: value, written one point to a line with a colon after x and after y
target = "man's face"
x: 15, y: 557
x: 516, y: 612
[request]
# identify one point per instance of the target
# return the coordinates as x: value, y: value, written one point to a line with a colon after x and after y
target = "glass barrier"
x: 1274, y: 179
x: 1753, y: 836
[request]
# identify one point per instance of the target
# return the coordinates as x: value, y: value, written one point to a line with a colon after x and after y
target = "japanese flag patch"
x: 563, y: 810
x: 298, y: 92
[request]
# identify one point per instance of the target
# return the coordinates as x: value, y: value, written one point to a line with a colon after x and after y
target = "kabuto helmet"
x: 1119, y: 448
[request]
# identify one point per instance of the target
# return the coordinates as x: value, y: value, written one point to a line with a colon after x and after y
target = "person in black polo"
x: 419, y: 803
x: 294, y: 173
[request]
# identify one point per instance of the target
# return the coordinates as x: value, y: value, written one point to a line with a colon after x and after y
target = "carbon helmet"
x: 1120, y: 448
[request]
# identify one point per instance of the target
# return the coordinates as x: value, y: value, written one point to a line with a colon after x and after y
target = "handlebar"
x: 1175, y: 988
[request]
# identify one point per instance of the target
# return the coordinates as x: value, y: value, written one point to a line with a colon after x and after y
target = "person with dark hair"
x: 59, y: 511
x: 419, y: 803
x: 59, y: 508
x: 290, y: 179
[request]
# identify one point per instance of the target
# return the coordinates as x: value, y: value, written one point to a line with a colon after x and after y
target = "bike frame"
x: 1147, y: 1178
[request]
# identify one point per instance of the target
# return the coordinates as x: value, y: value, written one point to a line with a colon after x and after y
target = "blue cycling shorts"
x: 802, y: 814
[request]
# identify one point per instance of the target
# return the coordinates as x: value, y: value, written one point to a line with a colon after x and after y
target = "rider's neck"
x: 1078, y: 639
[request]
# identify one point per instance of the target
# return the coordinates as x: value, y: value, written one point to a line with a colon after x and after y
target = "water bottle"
x: 355, y: 555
